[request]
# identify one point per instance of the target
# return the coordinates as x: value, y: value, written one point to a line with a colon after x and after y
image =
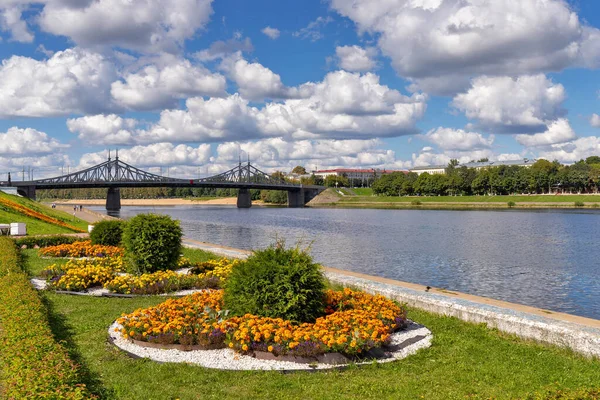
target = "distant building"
x: 430, y: 169
x: 509, y: 163
x: 441, y: 169
x: 363, y: 175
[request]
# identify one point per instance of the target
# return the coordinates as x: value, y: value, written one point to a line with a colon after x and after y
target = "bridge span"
x: 115, y: 174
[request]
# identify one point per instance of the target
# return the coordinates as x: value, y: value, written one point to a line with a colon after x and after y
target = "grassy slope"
x: 35, y: 226
x: 465, y: 360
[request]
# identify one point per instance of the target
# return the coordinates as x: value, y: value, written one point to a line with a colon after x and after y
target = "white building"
x: 441, y: 169
x: 430, y: 169
x: 355, y: 174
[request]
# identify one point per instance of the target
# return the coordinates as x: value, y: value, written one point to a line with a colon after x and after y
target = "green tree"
x: 481, y: 183
x: 336, y: 181
x: 278, y: 175
x: 299, y: 170
x: 274, y: 196
x: 422, y: 185
x: 592, y: 160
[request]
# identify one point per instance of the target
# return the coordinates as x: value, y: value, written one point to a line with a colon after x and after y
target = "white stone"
x: 18, y: 229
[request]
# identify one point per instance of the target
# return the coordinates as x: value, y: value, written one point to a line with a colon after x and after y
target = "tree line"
x: 268, y: 196
x: 541, y: 177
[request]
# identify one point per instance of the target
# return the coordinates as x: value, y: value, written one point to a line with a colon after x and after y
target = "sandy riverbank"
x: 222, y: 201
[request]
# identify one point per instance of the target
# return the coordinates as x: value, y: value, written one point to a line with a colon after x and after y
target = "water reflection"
x: 547, y: 259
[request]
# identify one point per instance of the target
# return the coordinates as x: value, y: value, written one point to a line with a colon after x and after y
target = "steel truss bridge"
x: 115, y: 174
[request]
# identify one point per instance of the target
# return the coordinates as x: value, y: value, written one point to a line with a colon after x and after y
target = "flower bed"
x: 354, y: 323
x: 82, y: 274
x: 81, y: 249
x: 159, y: 282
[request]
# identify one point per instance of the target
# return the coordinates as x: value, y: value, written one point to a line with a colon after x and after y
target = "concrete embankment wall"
x: 577, y: 333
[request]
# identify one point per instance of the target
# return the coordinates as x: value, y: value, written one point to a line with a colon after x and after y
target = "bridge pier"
x: 299, y: 198
x: 295, y: 198
x: 27, y: 191
x: 113, y: 199
x: 244, y: 200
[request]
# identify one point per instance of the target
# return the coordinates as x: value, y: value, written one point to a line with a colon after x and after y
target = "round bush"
x: 107, y: 233
x: 152, y: 243
x: 277, y: 283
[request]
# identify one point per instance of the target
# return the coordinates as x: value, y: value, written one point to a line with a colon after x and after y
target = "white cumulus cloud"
x: 343, y: 106
x: 595, y: 120
x: 514, y: 105
x: 559, y: 131
x: 71, y: 81
x: 440, y: 43
x: 142, y: 25
x: 255, y: 81
x: 272, y: 33
x: 458, y: 139
x: 27, y: 142
x: 574, y: 151
x: 157, y: 154
x: 160, y: 86
x: 10, y: 20
x: 222, y: 49
x: 355, y: 58
x: 104, y: 129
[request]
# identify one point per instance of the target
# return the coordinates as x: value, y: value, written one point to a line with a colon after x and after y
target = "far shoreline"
x: 221, y: 201
x: 415, y: 203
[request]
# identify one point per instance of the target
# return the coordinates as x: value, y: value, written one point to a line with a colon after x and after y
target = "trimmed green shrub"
x: 32, y: 364
x: 511, y: 204
x: 279, y: 283
x: 108, y: 233
x: 152, y: 243
x: 579, y: 204
x: 45, y: 241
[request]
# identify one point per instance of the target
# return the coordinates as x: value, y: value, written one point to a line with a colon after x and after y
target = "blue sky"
x: 194, y: 84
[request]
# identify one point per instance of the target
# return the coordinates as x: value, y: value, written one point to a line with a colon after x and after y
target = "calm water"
x: 548, y: 259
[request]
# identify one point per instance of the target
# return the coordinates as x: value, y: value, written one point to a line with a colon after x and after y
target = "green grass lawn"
x: 197, y: 255
x: 36, y: 226
x: 475, y: 199
x: 363, y: 191
x: 465, y: 361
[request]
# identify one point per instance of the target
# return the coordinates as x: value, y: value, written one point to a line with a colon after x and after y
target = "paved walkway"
x: 87, y: 215
x: 578, y: 333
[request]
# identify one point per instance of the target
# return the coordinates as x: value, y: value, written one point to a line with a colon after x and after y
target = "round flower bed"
x: 354, y: 323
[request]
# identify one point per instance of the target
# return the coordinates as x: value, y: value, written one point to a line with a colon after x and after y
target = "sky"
x: 192, y: 86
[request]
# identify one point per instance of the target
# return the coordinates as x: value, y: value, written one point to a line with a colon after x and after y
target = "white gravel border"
x: 227, y: 359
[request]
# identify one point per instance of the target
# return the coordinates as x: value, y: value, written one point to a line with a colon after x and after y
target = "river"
x: 547, y: 258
